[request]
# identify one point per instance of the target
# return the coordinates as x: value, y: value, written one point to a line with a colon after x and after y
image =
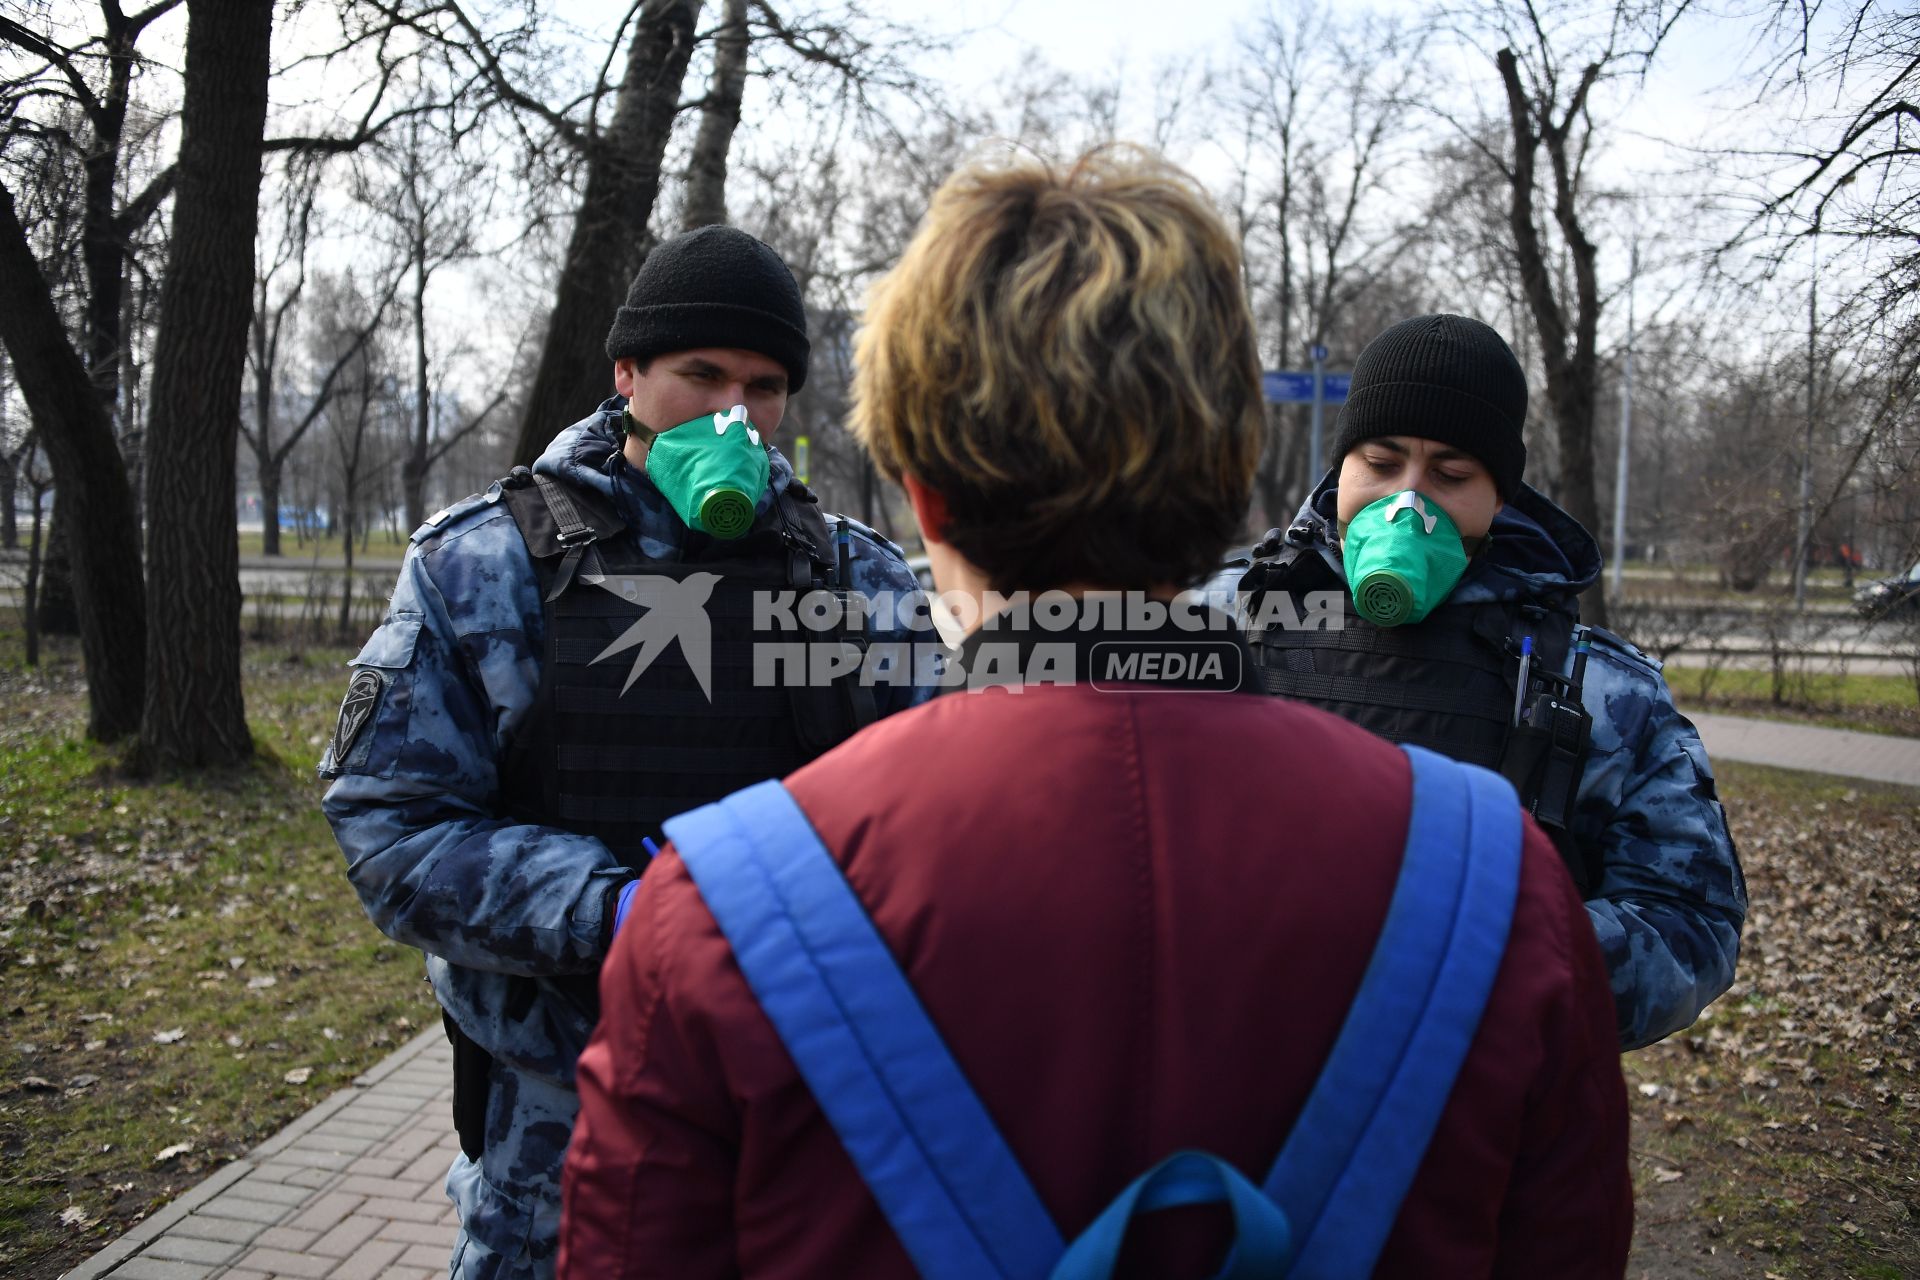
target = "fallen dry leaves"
x: 1792, y: 1106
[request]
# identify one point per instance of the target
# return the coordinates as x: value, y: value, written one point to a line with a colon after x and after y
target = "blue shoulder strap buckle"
x: 941, y: 1171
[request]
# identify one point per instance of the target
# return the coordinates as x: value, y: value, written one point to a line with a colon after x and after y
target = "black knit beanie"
x: 1444, y: 378
x: 713, y: 287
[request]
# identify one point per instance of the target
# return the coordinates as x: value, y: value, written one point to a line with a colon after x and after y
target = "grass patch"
x: 187, y: 967
x: 378, y: 546
x: 1868, y: 703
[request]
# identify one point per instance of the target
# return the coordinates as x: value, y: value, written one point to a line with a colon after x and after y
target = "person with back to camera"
x: 966, y: 994
x: 1461, y: 633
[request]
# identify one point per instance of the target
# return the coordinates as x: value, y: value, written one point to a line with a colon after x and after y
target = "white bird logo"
x: 675, y: 610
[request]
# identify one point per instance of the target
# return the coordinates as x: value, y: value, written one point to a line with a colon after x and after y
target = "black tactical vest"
x: 621, y: 735
x: 1447, y: 683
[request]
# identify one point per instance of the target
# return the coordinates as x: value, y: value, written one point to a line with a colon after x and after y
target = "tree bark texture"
x: 719, y: 118
x: 33, y: 584
x: 9, y: 488
x: 1568, y: 345
x: 610, y: 236
x: 95, y: 504
x: 58, y: 610
x: 194, y: 715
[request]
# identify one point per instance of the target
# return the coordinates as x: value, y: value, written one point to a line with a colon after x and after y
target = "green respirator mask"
x: 712, y: 470
x: 1404, y: 555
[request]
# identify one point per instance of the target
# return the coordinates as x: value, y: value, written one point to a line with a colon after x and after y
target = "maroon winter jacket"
x: 1137, y: 919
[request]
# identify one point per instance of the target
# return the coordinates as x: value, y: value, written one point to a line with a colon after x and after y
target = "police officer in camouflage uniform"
x: 1482, y: 657
x: 523, y: 720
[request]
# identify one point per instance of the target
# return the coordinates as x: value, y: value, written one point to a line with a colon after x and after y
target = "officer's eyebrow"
x: 696, y: 365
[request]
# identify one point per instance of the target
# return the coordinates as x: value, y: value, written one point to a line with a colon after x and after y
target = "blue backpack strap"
x: 1366, y: 1125
x: 935, y: 1162
x: 1262, y: 1238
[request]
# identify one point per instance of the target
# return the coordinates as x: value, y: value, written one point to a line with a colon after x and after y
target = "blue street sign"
x: 1316, y: 352
x: 1294, y: 386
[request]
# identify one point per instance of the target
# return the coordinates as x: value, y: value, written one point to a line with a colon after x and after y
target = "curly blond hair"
x: 1069, y: 360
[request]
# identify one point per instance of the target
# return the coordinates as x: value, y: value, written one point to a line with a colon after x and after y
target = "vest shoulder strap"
x: 931, y: 1155
x: 554, y: 516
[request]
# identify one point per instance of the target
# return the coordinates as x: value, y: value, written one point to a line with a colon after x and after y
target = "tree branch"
x: 471, y: 425
x: 62, y: 59
x: 143, y: 206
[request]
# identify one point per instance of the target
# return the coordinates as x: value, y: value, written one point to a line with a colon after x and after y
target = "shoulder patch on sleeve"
x: 387, y: 653
x: 1619, y: 647
x: 448, y: 516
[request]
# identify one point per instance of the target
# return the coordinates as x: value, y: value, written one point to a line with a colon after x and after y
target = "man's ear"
x: 929, y: 509
x: 623, y: 371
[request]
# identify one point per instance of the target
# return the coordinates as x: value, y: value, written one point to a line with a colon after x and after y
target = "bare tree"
x: 39, y: 483
x: 71, y: 107
x: 1323, y: 101
x: 1555, y: 53
x: 77, y: 434
x: 97, y: 75
x: 1845, y: 185
x: 273, y: 316
x: 14, y: 446
x: 719, y: 116
x: 610, y: 232
x: 193, y: 714
x: 357, y: 414
x: 433, y: 208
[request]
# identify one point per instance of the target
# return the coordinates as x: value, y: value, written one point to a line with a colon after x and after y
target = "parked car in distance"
x: 1900, y: 593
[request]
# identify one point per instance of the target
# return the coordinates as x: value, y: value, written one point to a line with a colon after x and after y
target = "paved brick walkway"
x: 1877, y: 757
x: 349, y: 1191
x: 352, y: 1189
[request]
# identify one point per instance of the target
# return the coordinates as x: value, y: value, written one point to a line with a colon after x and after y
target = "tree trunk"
x: 1567, y: 352
x: 9, y: 488
x: 102, y: 247
x: 610, y: 237
x: 413, y: 473
x: 59, y: 610
x: 94, y: 500
x: 33, y: 581
x: 346, y: 578
x: 194, y: 715
x: 269, y: 474
x: 719, y: 117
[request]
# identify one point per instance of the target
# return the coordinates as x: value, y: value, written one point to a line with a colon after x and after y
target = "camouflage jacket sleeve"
x: 878, y: 571
x: 442, y: 685
x: 1671, y: 899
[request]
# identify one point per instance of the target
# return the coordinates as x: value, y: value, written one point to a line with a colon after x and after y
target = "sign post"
x: 1319, y: 354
